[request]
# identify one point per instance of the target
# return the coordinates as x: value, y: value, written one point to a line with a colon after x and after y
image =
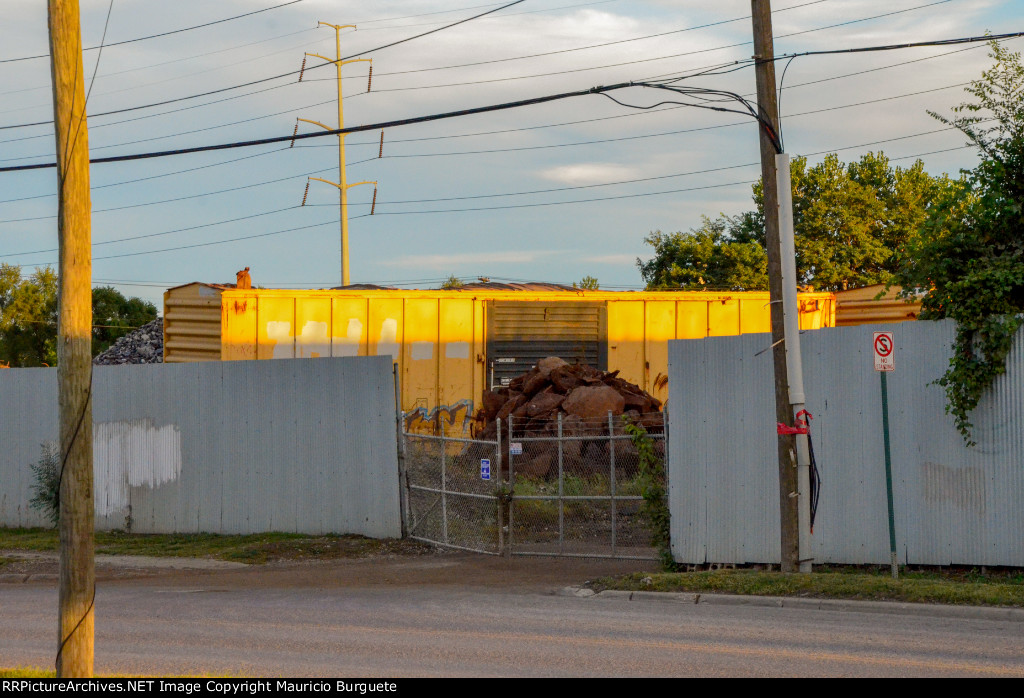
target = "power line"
x: 334, y: 222
x: 423, y: 119
x: 510, y: 14
x: 162, y: 233
x: 499, y: 150
x: 304, y: 31
x: 455, y: 198
x: 173, y: 60
x: 475, y: 209
x: 153, y: 83
x: 282, y: 75
x: 658, y: 58
x: 159, y: 176
x: 892, y: 47
x: 549, y: 146
x: 167, y: 33
x: 331, y: 222
x: 804, y: 84
x: 179, y: 133
x: 182, y: 198
x: 583, y: 48
x: 677, y: 55
x: 334, y: 132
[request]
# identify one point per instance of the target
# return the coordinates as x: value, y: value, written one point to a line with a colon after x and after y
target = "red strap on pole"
x: 803, y: 426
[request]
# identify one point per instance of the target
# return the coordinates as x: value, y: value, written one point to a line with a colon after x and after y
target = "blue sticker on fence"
x: 485, y: 469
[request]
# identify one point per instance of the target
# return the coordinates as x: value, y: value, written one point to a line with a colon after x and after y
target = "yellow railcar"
x: 450, y: 345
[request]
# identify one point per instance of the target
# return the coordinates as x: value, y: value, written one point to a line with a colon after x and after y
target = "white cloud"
x: 589, y: 173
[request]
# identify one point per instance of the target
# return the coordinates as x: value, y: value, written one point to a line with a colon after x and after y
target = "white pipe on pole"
x: 794, y: 362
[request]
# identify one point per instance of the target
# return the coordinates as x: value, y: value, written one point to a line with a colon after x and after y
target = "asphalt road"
x: 459, y: 616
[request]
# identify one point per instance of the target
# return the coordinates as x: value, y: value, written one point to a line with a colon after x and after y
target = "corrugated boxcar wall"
x: 953, y: 504
x: 222, y: 447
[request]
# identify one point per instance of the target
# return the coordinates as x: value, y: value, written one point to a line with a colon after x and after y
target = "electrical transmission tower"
x: 342, y: 184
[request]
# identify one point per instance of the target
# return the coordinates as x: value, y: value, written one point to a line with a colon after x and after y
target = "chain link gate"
x: 570, y: 492
x: 452, y: 490
x: 576, y: 490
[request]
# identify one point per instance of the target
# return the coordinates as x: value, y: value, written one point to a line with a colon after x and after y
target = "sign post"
x: 883, y: 348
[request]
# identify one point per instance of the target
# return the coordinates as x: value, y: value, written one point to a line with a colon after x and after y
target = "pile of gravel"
x: 144, y: 345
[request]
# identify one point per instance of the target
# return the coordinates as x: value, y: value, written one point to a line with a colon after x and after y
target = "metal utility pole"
x: 342, y: 186
x: 768, y: 109
x: 74, y: 344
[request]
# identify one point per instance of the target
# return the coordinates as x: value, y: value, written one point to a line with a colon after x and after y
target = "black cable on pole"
x: 740, y: 64
x: 335, y: 132
x: 892, y: 47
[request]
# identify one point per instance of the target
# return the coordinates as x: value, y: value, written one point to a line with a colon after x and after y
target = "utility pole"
x: 768, y: 109
x: 342, y: 186
x: 74, y: 344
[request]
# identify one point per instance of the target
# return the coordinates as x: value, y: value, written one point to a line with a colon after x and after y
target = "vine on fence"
x: 651, y: 479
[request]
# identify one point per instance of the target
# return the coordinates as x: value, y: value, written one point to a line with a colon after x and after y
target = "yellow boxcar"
x: 450, y: 345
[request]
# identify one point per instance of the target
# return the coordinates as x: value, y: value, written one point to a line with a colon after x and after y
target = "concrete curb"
x: 887, y: 607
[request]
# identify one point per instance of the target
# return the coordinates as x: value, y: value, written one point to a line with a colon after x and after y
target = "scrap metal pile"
x: 581, y: 394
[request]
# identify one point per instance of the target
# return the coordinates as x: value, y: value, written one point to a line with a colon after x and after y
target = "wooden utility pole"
x: 74, y: 344
x: 768, y: 108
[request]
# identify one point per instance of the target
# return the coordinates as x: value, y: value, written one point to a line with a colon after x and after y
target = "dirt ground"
x: 413, y: 567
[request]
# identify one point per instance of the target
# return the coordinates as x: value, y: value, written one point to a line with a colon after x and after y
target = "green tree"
x: 114, y: 315
x: 969, y: 255
x: 452, y: 282
x: 587, y: 283
x: 850, y: 220
x: 28, y: 317
x: 705, y: 257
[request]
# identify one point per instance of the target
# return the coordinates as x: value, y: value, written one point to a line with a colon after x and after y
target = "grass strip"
x: 925, y: 587
x: 253, y: 549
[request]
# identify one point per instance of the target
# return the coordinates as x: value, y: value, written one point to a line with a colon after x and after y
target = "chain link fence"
x: 452, y: 488
x: 567, y: 488
x: 577, y: 490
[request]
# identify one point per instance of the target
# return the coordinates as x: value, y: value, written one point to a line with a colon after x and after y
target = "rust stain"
x: 240, y: 307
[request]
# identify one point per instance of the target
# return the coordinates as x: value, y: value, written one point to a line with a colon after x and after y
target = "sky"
x: 551, y: 192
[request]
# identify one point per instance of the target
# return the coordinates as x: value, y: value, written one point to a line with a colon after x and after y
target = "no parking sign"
x: 883, y: 348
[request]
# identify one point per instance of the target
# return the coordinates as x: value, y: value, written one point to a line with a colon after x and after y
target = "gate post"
x: 502, y: 489
x: 403, y: 475
x: 444, y: 485
x: 561, y: 491
x: 611, y: 461
x: 511, y: 490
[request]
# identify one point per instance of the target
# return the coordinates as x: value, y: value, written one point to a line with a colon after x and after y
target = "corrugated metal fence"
x: 221, y: 447
x: 953, y: 504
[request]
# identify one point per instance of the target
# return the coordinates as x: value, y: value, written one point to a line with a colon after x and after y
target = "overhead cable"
x: 167, y: 33
x: 282, y: 75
